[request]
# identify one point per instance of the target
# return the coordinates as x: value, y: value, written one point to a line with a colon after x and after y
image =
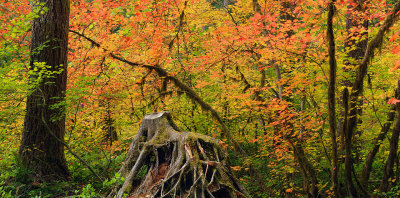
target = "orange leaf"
x: 396, y: 65
x: 236, y: 168
x: 393, y: 101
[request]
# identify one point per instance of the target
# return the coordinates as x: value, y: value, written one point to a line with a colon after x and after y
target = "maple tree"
x: 296, y: 89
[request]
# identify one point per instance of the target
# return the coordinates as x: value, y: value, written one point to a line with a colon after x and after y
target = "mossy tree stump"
x: 164, y: 162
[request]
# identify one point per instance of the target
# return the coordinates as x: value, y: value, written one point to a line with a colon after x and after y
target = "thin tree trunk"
x: 348, y: 164
x: 110, y: 133
x: 310, y: 177
x: 225, y: 3
x: 357, y: 88
x: 356, y: 45
x: 353, y: 58
x: 394, y: 144
x: 365, y: 174
x: 374, y: 44
x: 40, y: 152
x: 332, y: 99
x: 278, y: 79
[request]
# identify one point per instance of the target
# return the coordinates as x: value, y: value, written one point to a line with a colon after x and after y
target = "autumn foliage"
x: 257, y: 73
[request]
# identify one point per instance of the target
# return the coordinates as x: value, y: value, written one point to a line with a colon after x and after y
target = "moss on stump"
x: 164, y: 162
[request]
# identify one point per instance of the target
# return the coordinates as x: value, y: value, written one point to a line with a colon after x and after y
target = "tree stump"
x: 164, y: 162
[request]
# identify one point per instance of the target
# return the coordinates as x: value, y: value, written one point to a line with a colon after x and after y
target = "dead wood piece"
x: 164, y: 162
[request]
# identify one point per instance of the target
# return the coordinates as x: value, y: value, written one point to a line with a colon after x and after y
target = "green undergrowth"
x: 15, y: 183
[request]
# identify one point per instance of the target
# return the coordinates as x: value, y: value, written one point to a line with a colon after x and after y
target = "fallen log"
x: 165, y: 162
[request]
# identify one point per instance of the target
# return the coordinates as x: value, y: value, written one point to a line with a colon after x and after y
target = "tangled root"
x: 164, y: 162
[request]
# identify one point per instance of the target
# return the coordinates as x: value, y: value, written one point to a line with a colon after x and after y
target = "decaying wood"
x: 164, y: 162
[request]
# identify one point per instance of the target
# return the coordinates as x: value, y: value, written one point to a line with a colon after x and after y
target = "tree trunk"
x: 354, y: 55
x: 394, y: 144
x: 310, y: 182
x: 332, y: 98
x: 357, y: 89
x: 367, y: 168
x: 109, y: 130
x: 358, y: 37
x: 40, y: 152
x: 164, y: 162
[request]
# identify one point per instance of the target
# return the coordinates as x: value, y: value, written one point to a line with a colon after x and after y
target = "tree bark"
x: 357, y: 89
x: 357, y: 38
x: 332, y: 98
x: 40, y: 152
x: 354, y: 55
x: 394, y: 144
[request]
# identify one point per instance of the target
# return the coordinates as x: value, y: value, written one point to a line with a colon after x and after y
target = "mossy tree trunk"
x: 44, y: 124
x: 164, y: 162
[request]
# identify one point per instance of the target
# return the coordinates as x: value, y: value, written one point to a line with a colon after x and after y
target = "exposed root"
x: 163, y: 162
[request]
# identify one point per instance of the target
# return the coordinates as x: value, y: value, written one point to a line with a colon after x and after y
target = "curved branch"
x: 189, y: 91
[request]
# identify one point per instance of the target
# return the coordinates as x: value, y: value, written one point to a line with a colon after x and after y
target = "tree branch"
x: 189, y: 91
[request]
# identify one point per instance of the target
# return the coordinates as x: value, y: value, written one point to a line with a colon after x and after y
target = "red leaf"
x: 393, y: 101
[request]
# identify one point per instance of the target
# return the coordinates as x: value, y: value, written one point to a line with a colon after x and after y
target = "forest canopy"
x: 303, y: 95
